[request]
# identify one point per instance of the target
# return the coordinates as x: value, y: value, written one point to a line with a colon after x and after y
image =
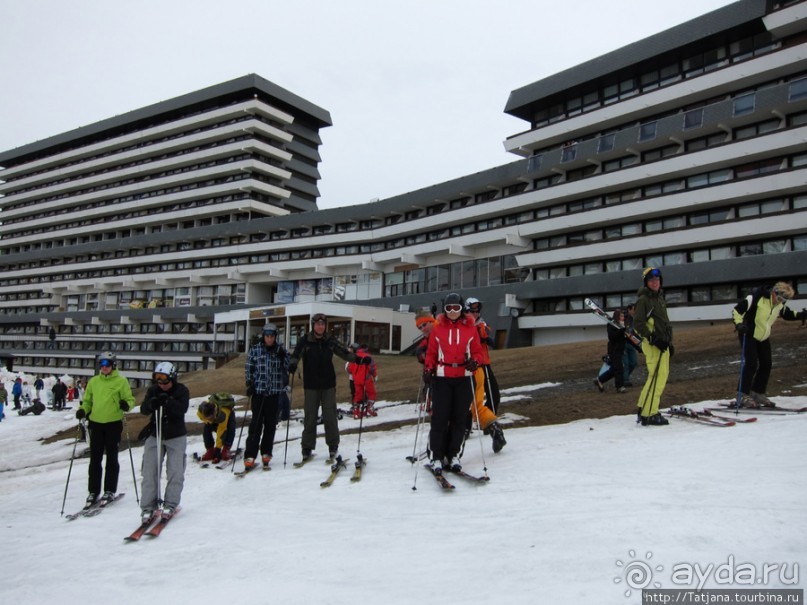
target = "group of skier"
x: 458, y: 384
x: 753, y: 317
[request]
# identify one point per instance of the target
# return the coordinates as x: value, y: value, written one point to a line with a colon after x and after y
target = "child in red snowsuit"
x: 364, y: 376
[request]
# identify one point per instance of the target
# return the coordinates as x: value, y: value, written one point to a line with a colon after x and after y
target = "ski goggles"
x: 162, y: 378
x: 781, y: 294
x: 105, y: 363
x: 474, y: 310
x: 654, y: 274
x: 453, y: 308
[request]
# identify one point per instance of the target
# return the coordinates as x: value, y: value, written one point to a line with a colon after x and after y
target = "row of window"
x: 693, y: 219
x: 721, y: 293
x: 628, y: 84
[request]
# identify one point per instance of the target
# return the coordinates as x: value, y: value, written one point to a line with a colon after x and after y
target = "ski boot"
x: 225, y: 454
x: 210, y: 454
x: 496, y: 433
x: 369, y: 410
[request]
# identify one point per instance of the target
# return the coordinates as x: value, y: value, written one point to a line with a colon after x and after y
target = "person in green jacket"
x: 107, y: 397
x: 652, y: 323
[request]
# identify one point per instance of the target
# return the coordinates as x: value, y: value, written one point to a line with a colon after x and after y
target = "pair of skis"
x: 221, y: 464
x: 94, y: 509
x: 153, y: 527
x: 447, y: 485
x: 337, y: 465
x: 703, y: 417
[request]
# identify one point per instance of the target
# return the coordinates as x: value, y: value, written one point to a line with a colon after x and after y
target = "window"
x: 606, y: 143
x: 744, y: 105
x: 647, y: 132
x: 797, y: 90
x: 693, y: 119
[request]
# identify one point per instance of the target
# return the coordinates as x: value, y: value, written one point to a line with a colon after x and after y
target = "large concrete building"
x: 174, y: 231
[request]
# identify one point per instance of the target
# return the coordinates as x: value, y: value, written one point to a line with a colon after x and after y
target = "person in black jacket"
x: 59, y: 391
x: 316, y: 350
x: 616, y: 350
x: 753, y: 318
x: 167, y: 402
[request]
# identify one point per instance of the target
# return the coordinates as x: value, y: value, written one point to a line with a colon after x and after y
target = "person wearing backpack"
x: 217, y: 415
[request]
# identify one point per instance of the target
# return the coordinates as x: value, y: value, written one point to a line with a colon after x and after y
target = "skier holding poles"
x: 453, y: 355
x: 265, y: 374
x: 652, y: 323
x: 166, y: 401
x: 753, y: 317
x: 107, y: 397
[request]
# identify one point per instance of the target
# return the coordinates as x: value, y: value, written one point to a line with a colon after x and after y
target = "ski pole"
x: 131, y: 459
x: 421, y: 414
x: 478, y: 425
x: 359, y: 458
x: 740, y: 382
x: 159, y: 424
x: 417, y: 426
x: 70, y: 468
x: 240, y: 433
x: 288, y: 420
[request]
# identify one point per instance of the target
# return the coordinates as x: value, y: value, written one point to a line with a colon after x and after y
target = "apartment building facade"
x: 686, y: 150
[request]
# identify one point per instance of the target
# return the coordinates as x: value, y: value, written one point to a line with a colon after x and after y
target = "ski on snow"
x: 360, y: 463
x: 95, y: 509
x: 221, y: 464
x: 732, y: 408
x: 687, y: 414
x: 337, y: 466
x: 473, y: 478
x: 142, y: 528
x: 444, y: 483
x: 157, y: 529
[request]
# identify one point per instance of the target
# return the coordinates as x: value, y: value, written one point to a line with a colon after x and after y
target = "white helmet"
x: 167, y: 368
x: 470, y: 301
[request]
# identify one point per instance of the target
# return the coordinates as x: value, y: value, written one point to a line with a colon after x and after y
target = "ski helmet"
x: 269, y: 329
x: 165, y: 370
x: 453, y: 299
x: 107, y: 358
x: 473, y: 304
x: 651, y: 272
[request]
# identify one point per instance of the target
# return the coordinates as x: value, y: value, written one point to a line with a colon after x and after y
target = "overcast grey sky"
x: 416, y: 88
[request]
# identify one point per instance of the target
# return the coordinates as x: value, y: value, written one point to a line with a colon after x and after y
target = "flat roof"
x: 521, y: 100
x: 285, y: 99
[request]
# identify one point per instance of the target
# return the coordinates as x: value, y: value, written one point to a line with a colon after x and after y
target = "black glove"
x: 364, y: 361
x: 742, y: 328
x: 292, y: 367
x: 661, y: 344
x: 124, y: 405
x: 250, y: 390
x: 471, y: 364
x: 672, y: 350
x: 427, y: 377
x: 80, y: 413
x: 159, y: 400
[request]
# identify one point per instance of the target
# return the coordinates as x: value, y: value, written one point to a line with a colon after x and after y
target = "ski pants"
x: 658, y: 370
x: 487, y: 388
x: 172, y: 458
x: 264, y: 420
x: 104, y: 440
x: 326, y: 398
x: 451, y: 401
x: 479, y: 410
x: 756, y: 366
x: 210, y: 434
x: 364, y: 390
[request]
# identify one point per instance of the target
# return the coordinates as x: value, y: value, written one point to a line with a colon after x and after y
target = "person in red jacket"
x: 453, y: 355
x: 364, y: 376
